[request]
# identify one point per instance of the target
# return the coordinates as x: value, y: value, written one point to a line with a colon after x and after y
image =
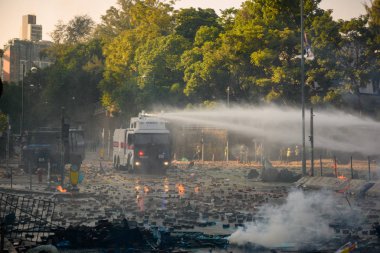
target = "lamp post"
x: 7, y: 150
x: 303, y: 95
x: 228, y: 106
x: 228, y: 96
x: 22, y: 101
x: 312, y: 141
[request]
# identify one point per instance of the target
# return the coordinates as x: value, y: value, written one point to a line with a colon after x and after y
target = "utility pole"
x: 203, y: 147
x: 22, y: 114
x: 109, y: 141
x: 7, y: 150
x: 352, y: 168
x: 228, y: 106
x: 62, y: 146
x: 369, y: 168
x: 228, y: 96
x: 22, y: 101
x: 312, y: 141
x: 303, y: 95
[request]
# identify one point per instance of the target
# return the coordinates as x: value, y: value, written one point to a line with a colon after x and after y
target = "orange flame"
x: 342, y: 177
x: 166, y: 185
x: 59, y: 188
x: 181, y: 189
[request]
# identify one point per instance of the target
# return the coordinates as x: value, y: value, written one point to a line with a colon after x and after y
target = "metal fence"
x: 26, y: 218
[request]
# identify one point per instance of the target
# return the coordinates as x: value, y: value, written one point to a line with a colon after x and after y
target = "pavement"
x: 209, y: 197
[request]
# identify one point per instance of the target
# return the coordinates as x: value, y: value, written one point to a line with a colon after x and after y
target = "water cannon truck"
x: 144, y: 146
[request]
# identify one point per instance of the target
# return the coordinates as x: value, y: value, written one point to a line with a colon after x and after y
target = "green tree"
x: 78, y: 29
x: 373, y: 11
x: 323, y: 73
x: 146, y: 22
x: 158, y: 68
x: 10, y: 103
x: 156, y: 55
x: 205, y: 72
x: 374, y: 43
x: 354, y: 56
x: 188, y: 21
x: 3, y: 123
x: 131, y: 14
x: 59, y: 33
x: 258, y: 55
x: 227, y: 18
x: 70, y: 82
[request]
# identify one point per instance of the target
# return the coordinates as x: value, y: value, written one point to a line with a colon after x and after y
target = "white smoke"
x: 302, y: 219
x: 333, y: 129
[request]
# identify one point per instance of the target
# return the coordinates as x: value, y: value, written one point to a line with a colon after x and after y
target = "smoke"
x: 303, y: 219
x: 333, y: 130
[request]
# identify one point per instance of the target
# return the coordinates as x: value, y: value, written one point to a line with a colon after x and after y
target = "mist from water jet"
x: 333, y: 129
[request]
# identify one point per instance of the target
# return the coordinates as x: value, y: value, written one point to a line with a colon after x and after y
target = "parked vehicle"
x: 43, y: 146
x: 144, y: 146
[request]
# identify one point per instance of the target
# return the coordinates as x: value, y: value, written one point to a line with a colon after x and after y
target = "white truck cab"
x: 144, y: 146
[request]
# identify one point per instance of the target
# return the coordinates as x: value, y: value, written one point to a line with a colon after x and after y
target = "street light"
x: 228, y: 96
x: 22, y: 101
x: 32, y: 70
x: 228, y: 106
x: 303, y: 95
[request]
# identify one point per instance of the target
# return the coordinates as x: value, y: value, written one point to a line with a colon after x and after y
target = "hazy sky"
x: 48, y: 12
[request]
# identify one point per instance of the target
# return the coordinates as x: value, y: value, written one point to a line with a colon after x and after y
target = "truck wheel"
x: 128, y: 168
x: 118, y: 163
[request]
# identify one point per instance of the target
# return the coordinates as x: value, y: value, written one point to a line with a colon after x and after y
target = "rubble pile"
x: 190, y: 200
x: 104, y: 235
x: 189, y: 207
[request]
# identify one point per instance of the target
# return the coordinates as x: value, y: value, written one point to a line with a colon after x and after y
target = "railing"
x: 25, y: 218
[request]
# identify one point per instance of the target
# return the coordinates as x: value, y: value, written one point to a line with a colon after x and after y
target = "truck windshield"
x: 43, y: 138
x: 151, y: 139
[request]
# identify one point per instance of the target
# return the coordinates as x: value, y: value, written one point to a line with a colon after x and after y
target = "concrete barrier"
x: 375, y: 190
x: 335, y: 184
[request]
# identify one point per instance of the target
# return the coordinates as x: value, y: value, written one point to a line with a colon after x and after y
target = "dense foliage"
x: 145, y: 54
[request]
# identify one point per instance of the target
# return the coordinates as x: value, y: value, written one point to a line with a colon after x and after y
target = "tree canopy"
x: 145, y: 54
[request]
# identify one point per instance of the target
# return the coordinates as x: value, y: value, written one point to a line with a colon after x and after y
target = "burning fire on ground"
x: 342, y: 177
x: 181, y: 189
x: 59, y: 188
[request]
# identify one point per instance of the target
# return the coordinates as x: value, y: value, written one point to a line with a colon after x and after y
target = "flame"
x: 138, y: 186
x: 181, y: 189
x: 59, y: 188
x: 166, y: 185
x: 342, y: 177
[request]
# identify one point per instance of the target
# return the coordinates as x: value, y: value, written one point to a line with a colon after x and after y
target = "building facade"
x: 22, y: 55
x: 29, y: 28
